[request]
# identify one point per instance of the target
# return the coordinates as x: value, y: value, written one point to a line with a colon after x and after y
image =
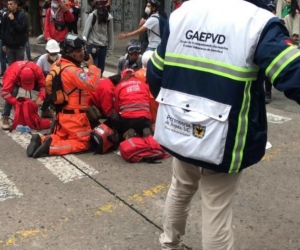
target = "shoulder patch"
x: 83, y: 76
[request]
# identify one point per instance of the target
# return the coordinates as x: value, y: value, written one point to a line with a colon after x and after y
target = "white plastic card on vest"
x: 197, y: 129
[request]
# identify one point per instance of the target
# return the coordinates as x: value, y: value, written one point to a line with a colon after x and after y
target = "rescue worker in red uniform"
x: 26, y: 75
x: 103, y: 97
x: 132, y: 104
x: 72, y: 130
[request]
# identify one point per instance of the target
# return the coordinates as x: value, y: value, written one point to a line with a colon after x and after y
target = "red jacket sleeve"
x: 69, y: 17
x: 103, y: 97
x: 10, y: 79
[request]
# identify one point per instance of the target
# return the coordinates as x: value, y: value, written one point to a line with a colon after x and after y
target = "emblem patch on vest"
x: 198, y: 131
x: 83, y: 76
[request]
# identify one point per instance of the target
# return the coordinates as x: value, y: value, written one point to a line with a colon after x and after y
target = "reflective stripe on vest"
x: 281, y: 61
x: 157, y: 61
x: 136, y: 106
x: 213, y: 67
x: 241, y: 133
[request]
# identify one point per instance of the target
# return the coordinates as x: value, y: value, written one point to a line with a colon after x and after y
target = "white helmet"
x: 52, y: 46
x: 146, y: 56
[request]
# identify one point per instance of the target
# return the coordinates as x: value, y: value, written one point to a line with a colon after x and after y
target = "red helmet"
x: 127, y: 72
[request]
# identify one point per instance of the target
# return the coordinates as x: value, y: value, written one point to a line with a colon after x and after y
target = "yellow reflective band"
x: 241, y: 133
x: 157, y: 61
x: 281, y: 61
x: 214, y: 67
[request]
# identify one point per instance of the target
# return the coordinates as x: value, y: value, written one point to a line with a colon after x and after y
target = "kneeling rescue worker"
x: 72, y: 129
x: 132, y: 106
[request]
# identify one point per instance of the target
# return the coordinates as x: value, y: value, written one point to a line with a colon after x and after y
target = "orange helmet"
x: 141, y: 74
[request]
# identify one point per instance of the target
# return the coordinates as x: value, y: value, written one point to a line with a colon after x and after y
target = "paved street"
x: 87, y: 202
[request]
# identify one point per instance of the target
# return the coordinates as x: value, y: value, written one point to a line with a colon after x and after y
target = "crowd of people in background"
x: 126, y: 102
x: 61, y: 18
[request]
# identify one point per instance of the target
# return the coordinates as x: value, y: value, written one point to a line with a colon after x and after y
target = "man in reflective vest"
x: 72, y: 130
x: 208, y: 77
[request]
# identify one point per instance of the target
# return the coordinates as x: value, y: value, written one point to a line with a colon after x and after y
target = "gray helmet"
x: 134, y: 46
x: 72, y: 42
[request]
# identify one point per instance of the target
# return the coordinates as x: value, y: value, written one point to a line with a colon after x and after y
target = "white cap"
x: 146, y: 56
x: 52, y: 46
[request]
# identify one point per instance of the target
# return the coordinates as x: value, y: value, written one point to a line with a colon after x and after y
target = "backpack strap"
x: 60, y: 72
x: 94, y: 20
x: 159, y: 27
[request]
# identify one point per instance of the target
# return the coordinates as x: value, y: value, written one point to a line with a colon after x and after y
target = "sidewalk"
x: 111, y: 61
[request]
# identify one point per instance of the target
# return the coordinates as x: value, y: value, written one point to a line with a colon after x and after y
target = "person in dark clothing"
x: 14, y: 32
x: 76, y: 13
x: 2, y: 53
x: 144, y: 36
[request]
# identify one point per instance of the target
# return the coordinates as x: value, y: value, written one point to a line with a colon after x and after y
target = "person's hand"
x: 122, y: 36
x: 38, y: 102
x: 4, y: 48
x: 90, y: 61
x: 109, y: 52
x: 11, y: 16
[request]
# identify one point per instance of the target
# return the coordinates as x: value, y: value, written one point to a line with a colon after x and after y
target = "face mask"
x: 147, y: 10
x: 53, y: 58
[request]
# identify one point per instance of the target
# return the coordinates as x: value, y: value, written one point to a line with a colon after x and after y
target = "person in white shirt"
x: 46, y: 60
x: 151, y: 25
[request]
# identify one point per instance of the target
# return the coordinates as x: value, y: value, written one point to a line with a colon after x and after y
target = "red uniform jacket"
x: 50, y: 31
x: 12, y: 77
x: 132, y: 99
x: 103, y: 97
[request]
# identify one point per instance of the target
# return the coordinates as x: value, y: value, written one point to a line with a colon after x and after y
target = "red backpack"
x: 26, y: 114
x: 137, y: 149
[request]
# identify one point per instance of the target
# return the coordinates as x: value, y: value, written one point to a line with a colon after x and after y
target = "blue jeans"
x: 7, y: 107
x: 14, y: 55
x: 3, y: 59
x: 99, y: 59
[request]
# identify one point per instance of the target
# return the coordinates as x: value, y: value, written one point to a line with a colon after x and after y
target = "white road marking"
x: 277, y: 118
x: 7, y: 188
x: 59, y: 166
x: 269, y: 145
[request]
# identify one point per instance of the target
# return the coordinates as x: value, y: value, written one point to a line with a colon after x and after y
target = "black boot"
x: 268, y: 97
x: 35, y: 142
x: 43, y: 150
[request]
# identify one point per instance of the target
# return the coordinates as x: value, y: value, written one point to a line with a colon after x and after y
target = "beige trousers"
x: 217, y: 192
